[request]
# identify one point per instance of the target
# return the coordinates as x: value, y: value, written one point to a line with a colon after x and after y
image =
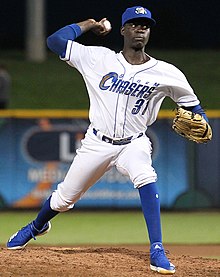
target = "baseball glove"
x: 192, y: 126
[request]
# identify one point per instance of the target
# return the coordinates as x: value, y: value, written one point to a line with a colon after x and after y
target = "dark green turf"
x: 126, y: 227
x: 55, y: 85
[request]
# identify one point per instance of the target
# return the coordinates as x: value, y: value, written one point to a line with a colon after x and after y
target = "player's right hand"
x: 99, y: 28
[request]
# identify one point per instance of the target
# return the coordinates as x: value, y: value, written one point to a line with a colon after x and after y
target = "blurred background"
x: 46, y: 113
x: 186, y: 34
x: 180, y: 24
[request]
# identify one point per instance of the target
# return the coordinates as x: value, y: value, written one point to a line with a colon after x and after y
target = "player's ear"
x: 122, y: 30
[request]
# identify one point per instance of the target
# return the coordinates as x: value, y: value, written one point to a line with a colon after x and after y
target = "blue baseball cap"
x: 137, y: 12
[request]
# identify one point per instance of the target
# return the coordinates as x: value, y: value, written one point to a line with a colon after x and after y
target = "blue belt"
x: 116, y: 141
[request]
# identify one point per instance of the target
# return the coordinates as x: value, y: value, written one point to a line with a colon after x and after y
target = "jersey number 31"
x: 138, y: 105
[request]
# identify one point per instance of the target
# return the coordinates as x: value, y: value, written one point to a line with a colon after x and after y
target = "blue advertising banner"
x: 36, y: 153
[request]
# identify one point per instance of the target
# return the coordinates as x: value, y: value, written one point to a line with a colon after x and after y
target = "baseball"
x: 107, y: 25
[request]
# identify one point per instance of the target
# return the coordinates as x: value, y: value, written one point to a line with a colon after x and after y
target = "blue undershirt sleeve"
x: 57, y: 41
x: 197, y: 109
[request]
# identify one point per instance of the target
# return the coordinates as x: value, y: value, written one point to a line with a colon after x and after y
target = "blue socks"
x: 150, y: 206
x: 151, y: 209
x: 45, y: 214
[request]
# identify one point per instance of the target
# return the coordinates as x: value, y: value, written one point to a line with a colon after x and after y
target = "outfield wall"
x: 37, y: 147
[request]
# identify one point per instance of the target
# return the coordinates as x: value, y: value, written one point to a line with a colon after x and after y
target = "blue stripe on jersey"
x: 126, y: 107
x: 70, y: 52
x: 116, y: 108
x: 125, y: 114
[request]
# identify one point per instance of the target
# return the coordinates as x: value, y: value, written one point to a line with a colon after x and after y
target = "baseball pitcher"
x: 126, y: 90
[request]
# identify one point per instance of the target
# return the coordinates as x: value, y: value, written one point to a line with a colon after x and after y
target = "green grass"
x: 75, y: 228
x: 54, y: 85
x: 202, y: 69
x: 48, y: 85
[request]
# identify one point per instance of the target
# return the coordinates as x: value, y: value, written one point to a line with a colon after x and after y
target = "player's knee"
x: 64, y: 197
x: 59, y: 203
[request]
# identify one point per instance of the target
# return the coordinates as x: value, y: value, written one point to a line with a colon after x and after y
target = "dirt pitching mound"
x: 98, y: 262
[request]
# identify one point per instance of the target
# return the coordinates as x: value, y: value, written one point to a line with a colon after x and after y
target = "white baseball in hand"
x: 107, y: 25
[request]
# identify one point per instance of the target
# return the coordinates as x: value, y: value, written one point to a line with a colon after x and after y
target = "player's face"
x: 136, y: 33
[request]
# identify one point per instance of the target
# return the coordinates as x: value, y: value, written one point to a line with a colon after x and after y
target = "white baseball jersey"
x: 126, y: 98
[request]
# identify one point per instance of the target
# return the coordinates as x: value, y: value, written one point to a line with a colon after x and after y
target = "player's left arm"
x: 183, y: 94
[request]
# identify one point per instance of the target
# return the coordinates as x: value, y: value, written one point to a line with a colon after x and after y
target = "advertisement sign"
x: 36, y: 153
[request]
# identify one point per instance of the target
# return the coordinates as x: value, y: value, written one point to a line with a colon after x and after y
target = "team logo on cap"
x: 140, y: 10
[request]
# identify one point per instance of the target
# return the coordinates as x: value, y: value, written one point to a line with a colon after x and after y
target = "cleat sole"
x: 162, y: 270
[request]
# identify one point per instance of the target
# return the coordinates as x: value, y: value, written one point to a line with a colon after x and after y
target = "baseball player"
x: 126, y: 90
